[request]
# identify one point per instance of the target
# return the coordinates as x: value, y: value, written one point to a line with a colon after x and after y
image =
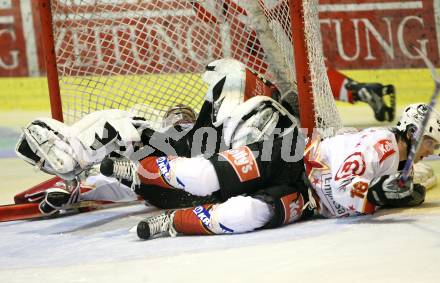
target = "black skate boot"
x: 374, y: 94
x: 123, y: 169
x: 152, y: 226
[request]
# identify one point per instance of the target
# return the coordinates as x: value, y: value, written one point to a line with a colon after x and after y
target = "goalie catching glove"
x: 385, y: 191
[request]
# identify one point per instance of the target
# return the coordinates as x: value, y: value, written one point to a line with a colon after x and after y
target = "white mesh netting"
x: 327, y: 115
x: 149, y: 55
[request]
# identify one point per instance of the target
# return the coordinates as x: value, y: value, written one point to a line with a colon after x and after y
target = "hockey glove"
x: 53, y: 199
x: 385, y: 191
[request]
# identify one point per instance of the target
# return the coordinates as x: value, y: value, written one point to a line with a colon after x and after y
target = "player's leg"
x: 194, y: 175
x: 348, y: 90
x: 289, y: 203
x: 163, y: 196
x: 270, y: 208
x: 237, y: 215
x: 173, y: 198
x: 230, y: 173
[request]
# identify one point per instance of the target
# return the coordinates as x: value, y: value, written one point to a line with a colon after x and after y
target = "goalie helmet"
x: 412, y: 118
x: 179, y: 115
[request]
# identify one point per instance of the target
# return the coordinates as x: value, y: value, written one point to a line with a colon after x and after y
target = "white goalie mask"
x: 413, y: 116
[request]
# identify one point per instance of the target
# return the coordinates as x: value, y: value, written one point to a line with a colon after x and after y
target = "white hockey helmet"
x: 413, y: 116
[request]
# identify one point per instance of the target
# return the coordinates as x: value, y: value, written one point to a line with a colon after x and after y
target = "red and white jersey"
x: 341, y: 168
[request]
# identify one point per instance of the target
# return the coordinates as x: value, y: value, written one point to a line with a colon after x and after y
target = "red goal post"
x: 146, y: 56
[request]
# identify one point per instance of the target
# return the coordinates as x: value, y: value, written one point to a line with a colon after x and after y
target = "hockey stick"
x: 417, y: 138
x: 25, y: 208
x: 27, y: 211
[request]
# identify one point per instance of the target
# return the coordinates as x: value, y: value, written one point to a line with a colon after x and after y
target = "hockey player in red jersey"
x: 348, y: 174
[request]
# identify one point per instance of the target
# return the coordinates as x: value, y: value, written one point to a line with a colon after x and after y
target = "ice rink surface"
x: 399, y: 245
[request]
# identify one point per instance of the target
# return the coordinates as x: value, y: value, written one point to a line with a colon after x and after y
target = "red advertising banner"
x: 357, y: 34
x: 13, y: 60
x: 100, y: 39
x: 379, y: 33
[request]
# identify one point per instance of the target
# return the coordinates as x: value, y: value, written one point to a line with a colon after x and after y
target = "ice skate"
x: 373, y: 94
x: 123, y: 169
x: 156, y: 225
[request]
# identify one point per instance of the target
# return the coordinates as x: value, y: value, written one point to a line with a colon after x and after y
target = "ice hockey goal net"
x: 148, y: 55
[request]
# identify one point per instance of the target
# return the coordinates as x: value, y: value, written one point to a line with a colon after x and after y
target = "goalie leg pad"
x: 44, y: 144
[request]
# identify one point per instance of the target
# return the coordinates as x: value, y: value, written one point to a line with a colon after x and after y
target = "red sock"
x: 149, y: 172
x: 337, y: 84
x: 187, y: 221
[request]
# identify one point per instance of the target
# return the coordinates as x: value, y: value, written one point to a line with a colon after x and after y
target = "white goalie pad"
x: 218, y: 69
x: 243, y: 127
x: 67, y: 151
x: 227, y: 87
x: 44, y: 143
x: 93, y: 125
x: 256, y: 128
x: 242, y: 102
x: 227, y: 94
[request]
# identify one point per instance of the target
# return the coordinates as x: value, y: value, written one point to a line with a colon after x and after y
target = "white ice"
x: 391, y: 246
